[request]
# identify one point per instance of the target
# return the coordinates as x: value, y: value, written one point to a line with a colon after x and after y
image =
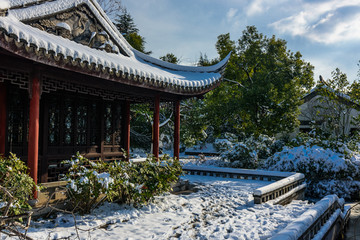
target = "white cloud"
x: 326, y: 22
x: 257, y: 7
x: 234, y: 19
x: 231, y: 14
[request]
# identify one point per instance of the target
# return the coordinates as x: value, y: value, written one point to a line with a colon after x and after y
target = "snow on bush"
x: 249, y: 152
x: 15, y: 180
x: 330, y: 166
x: 326, y: 171
x: 121, y: 181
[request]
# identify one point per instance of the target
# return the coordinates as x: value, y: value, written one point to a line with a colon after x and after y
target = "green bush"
x: 87, y: 182
x: 15, y: 178
x: 123, y: 188
x: 154, y: 177
x: 119, y: 181
x: 249, y: 152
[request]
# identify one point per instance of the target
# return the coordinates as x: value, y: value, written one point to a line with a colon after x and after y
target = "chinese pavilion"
x: 68, y: 79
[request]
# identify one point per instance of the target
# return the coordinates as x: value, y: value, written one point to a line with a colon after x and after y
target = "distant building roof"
x: 316, y: 91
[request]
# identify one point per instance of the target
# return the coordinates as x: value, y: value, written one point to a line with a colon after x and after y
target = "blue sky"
x: 326, y: 32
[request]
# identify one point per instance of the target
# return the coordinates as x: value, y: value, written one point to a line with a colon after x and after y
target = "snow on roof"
x: 63, y: 25
x: 168, y: 65
x: 339, y: 94
x: 136, y: 63
x: 19, y: 3
x: 4, y: 4
x: 52, y: 7
x: 117, y: 62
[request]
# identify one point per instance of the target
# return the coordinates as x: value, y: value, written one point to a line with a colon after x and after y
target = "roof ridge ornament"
x: 4, y: 7
x: 77, y: 24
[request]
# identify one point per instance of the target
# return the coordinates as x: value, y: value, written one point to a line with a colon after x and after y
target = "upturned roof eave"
x: 213, y: 68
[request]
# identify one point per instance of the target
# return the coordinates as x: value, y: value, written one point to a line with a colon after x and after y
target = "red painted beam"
x: 156, y: 127
x: 2, y: 118
x: 127, y: 129
x: 177, y: 130
x: 33, y: 148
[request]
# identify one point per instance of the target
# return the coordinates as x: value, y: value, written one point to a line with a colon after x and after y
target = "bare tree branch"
x: 233, y: 81
x: 8, y: 223
x: 111, y: 7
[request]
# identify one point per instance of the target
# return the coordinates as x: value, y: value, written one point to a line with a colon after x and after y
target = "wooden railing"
x: 287, y: 186
x: 282, y: 191
x: 325, y: 220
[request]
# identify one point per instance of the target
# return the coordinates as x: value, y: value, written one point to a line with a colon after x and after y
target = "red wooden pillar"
x: 2, y: 118
x: 156, y: 124
x: 177, y: 130
x: 33, y: 148
x: 127, y: 129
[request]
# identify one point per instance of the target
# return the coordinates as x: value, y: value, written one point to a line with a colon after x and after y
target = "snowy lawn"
x: 220, y: 209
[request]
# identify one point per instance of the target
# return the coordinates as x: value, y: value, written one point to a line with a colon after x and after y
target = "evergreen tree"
x: 125, y: 23
x: 171, y: 58
x: 127, y: 27
x: 204, y: 60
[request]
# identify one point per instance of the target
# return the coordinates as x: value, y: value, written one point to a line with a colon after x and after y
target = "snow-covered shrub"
x: 87, y: 182
x: 323, y: 168
x: 123, y: 189
x: 119, y: 181
x: 344, y: 188
x: 154, y: 177
x: 346, y: 147
x: 139, y: 183
x: 248, y: 152
x: 15, y: 179
x: 240, y: 156
x: 222, y: 144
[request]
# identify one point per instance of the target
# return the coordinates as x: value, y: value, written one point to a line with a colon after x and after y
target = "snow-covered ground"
x: 220, y: 209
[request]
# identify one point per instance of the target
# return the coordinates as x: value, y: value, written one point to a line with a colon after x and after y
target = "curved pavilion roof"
x: 120, y: 61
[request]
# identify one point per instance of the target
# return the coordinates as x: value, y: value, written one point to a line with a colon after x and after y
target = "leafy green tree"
x: 193, y: 128
x: 137, y: 42
x: 354, y: 89
x: 142, y: 125
x: 332, y: 109
x: 171, y: 58
x: 338, y: 82
x: 264, y: 82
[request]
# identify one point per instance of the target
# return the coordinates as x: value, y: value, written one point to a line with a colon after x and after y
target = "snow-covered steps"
x: 325, y: 220
x: 287, y: 186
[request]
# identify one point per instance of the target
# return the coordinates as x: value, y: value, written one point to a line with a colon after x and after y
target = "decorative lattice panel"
x: 18, y: 78
x: 50, y: 84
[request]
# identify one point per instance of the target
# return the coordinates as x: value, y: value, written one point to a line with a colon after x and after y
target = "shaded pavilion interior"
x: 65, y: 90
